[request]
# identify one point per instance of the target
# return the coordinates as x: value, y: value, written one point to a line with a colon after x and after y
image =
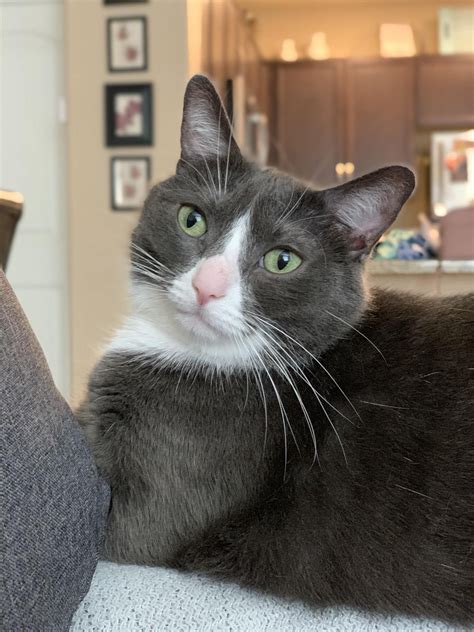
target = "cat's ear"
x: 367, y: 206
x: 205, y: 130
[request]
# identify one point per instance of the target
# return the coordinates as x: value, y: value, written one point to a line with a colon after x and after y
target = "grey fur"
x: 204, y: 471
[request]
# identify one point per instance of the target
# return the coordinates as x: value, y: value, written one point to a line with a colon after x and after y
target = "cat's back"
x: 408, y: 371
x: 412, y: 364
x: 405, y: 337
x: 403, y: 488
x: 419, y: 319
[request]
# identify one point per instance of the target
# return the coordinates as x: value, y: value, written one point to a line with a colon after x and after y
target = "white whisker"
x: 148, y: 273
x: 146, y: 254
x: 217, y: 149
x: 359, y: 332
x: 363, y: 401
x: 311, y: 355
x: 258, y: 381
x: 284, y: 415
x: 200, y: 174
x: 297, y: 369
x: 146, y: 265
x: 287, y: 213
x: 227, y: 161
x: 210, y: 177
x: 283, y: 371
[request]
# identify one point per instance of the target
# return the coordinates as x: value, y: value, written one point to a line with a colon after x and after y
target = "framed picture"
x: 452, y: 170
x: 129, y: 114
x: 127, y: 44
x: 129, y: 179
x: 125, y: 1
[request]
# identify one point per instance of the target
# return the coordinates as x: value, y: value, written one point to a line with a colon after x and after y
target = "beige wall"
x: 98, y: 237
x: 351, y: 27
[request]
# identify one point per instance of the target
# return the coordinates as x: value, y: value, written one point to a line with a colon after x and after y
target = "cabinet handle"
x: 349, y: 168
x: 340, y: 169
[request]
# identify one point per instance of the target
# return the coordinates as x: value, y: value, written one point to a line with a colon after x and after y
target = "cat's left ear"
x: 367, y: 206
x: 205, y: 131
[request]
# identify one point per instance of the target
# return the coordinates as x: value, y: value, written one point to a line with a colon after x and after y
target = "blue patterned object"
x: 403, y: 244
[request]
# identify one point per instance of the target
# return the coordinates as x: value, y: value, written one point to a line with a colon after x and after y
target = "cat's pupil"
x: 283, y: 259
x: 192, y: 219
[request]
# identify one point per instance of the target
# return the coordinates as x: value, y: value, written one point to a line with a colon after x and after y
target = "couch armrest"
x: 53, y: 504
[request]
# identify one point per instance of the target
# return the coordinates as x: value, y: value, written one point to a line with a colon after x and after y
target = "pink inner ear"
x: 362, y: 240
x: 358, y: 243
x: 212, y: 279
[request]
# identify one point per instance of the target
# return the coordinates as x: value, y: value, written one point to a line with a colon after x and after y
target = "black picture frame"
x: 115, y: 204
x: 110, y: 43
x: 113, y: 136
x: 125, y: 1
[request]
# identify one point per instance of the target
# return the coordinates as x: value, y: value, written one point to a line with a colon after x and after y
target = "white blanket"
x: 135, y: 598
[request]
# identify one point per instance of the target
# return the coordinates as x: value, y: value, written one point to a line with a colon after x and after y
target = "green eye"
x: 192, y: 221
x: 281, y: 261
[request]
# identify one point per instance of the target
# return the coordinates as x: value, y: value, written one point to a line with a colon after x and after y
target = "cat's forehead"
x: 267, y: 195
x: 270, y: 199
x: 271, y: 185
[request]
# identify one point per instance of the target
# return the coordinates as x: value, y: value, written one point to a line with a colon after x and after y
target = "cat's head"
x: 235, y: 266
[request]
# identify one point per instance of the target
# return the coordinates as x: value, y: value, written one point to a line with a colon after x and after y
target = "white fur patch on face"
x: 175, y: 327
x: 218, y: 318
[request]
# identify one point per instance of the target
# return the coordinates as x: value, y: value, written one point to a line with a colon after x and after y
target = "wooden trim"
x: 272, y: 113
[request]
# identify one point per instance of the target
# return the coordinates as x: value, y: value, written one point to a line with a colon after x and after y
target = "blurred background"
x: 90, y: 109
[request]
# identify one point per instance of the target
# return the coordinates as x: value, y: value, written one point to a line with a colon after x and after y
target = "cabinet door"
x: 380, y: 113
x: 445, y: 91
x: 309, y: 121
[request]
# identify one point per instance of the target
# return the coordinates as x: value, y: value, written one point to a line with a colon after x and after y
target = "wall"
x: 98, y: 237
x: 32, y: 149
x: 352, y: 28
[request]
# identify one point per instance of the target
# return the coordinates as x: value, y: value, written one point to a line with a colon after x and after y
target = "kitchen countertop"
x: 424, y: 266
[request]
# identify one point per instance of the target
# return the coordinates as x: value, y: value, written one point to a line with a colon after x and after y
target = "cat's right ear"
x: 206, y: 132
x: 366, y: 207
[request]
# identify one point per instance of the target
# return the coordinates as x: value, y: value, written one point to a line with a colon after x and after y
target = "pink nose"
x: 211, y: 279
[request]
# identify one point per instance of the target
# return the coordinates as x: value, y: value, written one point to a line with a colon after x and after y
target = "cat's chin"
x: 184, y: 335
x: 198, y: 325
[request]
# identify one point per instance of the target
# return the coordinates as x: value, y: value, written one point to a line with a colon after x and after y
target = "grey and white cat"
x: 263, y: 416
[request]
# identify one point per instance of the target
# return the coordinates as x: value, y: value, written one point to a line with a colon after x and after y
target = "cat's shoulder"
x: 430, y: 326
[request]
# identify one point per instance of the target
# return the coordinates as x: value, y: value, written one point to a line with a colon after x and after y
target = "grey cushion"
x: 52, y: 503
x: 138, y: 599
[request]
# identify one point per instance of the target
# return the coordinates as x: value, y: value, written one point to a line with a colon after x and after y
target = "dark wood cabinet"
x: 356, y: 111
x: 356, y: 114
x: 445, y: 91
x: 380, y: 113
x: 309, y: 127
